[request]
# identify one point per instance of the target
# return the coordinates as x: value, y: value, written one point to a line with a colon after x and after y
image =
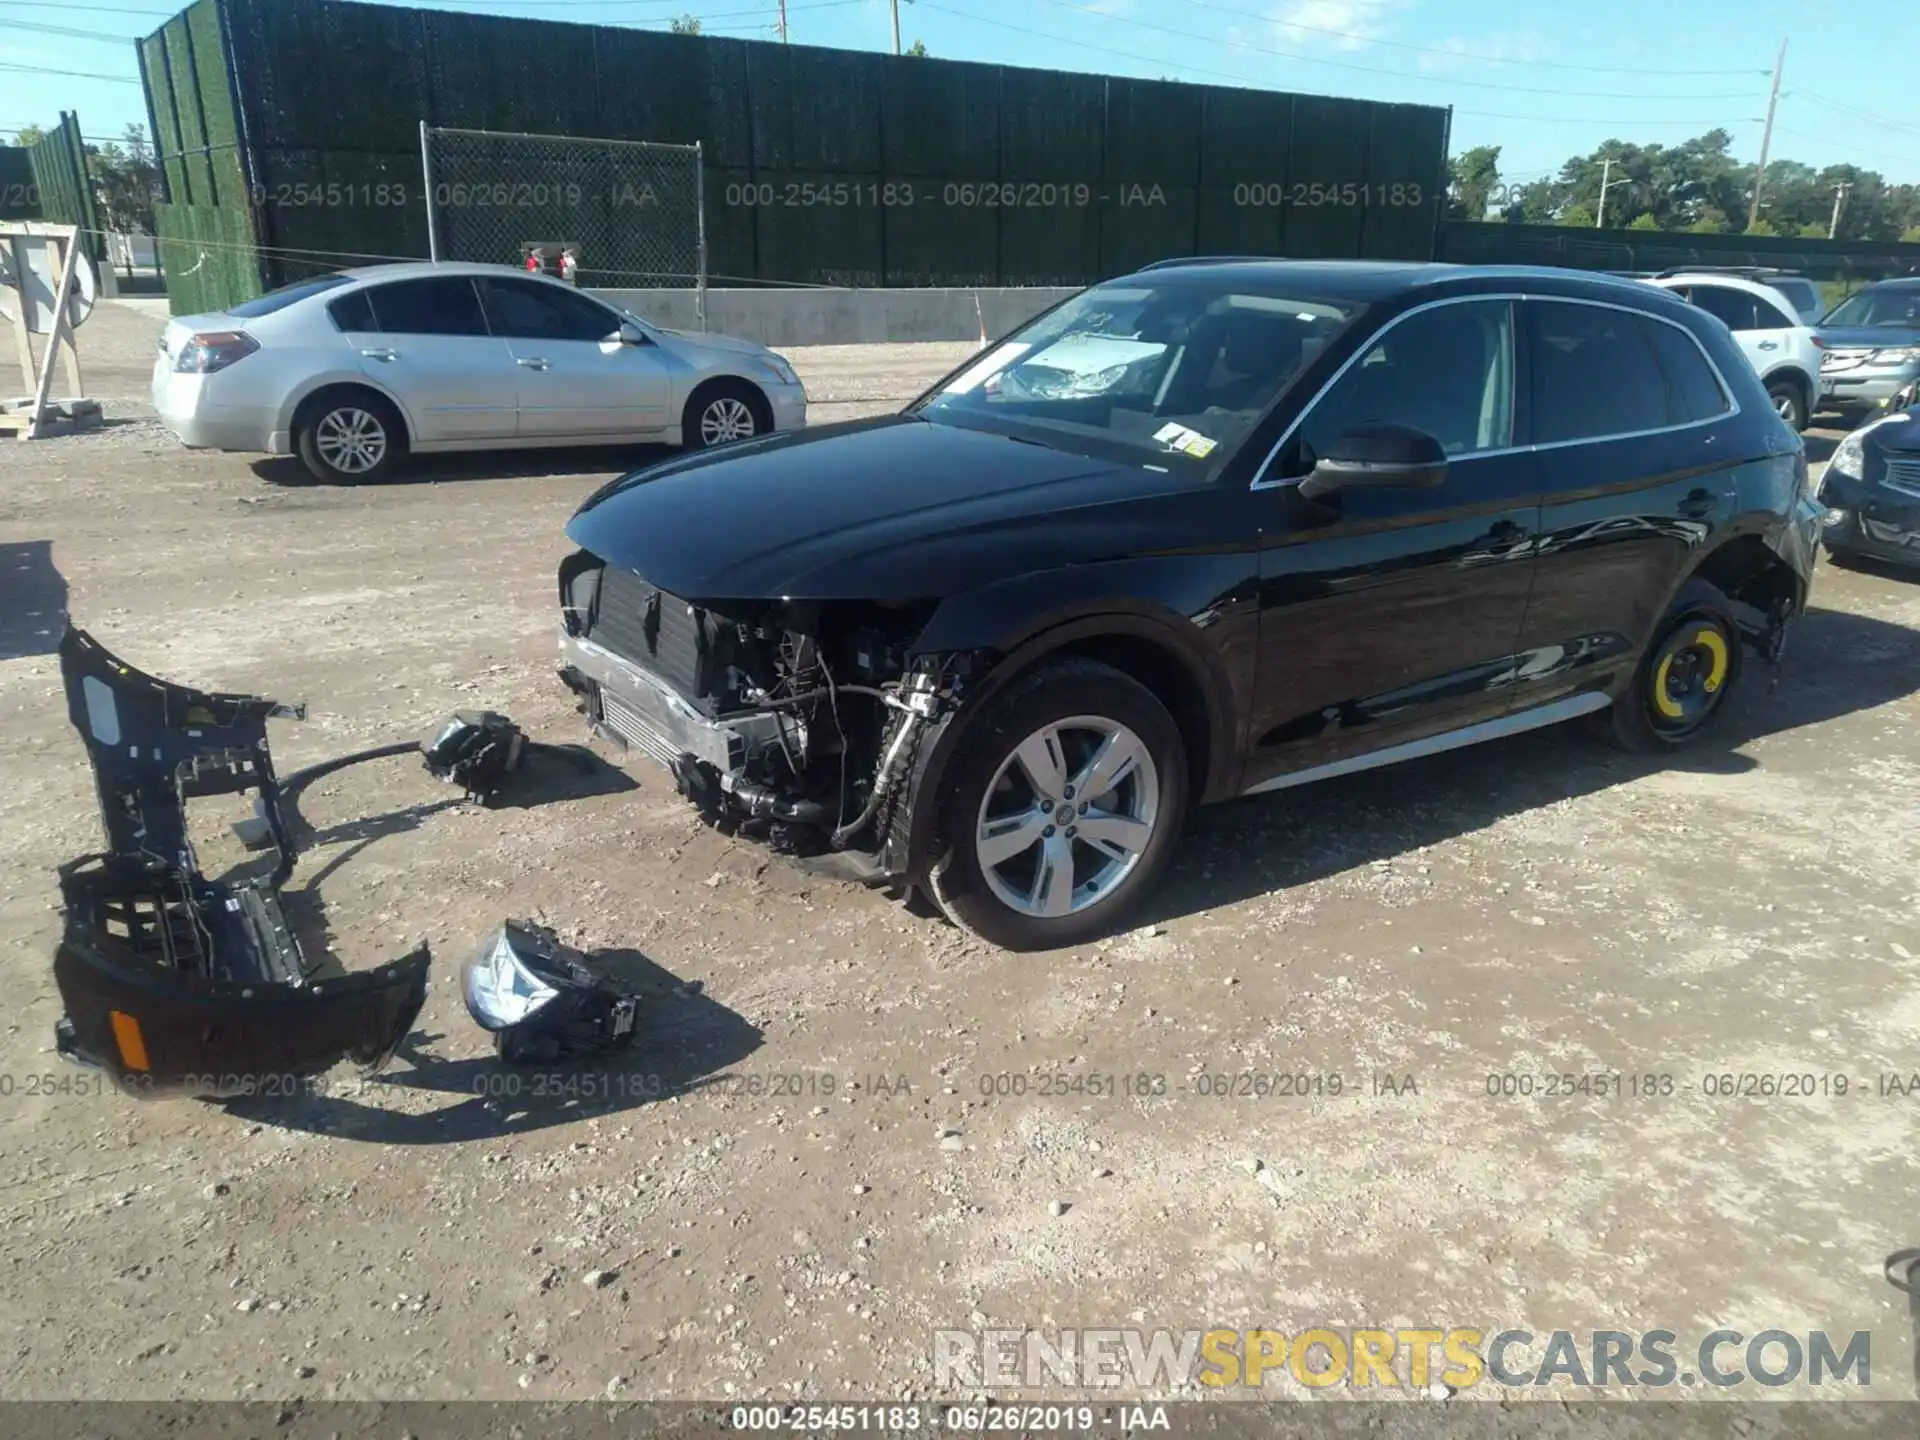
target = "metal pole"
x: 426, y: 173
x: 1839, y: 202
x: 1766, y: 137
x: 1606, y: 169
x: 783, y: 22
x: 700, y: 231
x: 896, y: 27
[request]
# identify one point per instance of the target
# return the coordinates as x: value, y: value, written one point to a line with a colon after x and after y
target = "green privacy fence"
x: 19, y: 194
x: 820, y: 166
x: 208, y: 256
x: 1483, y: 243
x: 58, y: 161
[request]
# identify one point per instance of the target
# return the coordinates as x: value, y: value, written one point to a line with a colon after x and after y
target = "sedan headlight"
x: 1850, y: 459
x: 778, y: 371
x: 213, y: 350
x: 500, y: 988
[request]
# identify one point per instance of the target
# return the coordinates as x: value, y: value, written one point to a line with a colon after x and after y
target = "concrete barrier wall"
x: 843, y: 317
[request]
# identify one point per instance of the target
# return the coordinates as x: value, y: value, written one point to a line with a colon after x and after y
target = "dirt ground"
x: 1533, y: 906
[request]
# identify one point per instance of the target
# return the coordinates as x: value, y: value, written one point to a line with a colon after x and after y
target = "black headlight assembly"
x: 543, y: 1000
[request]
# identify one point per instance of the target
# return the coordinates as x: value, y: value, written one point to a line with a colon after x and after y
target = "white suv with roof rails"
x: 1780, y: 347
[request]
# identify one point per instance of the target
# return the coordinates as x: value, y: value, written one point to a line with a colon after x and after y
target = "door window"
x: 354, y: 313
x: 1739, y: 309
x: 528, y: 310
x: 1447, y: 371
x: 443, y: 305
x: 1593, y: 373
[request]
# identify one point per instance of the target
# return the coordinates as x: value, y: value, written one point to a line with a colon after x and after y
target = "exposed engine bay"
x: 798, y: 722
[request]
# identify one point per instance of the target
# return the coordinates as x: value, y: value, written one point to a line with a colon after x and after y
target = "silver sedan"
x: 354, y: 370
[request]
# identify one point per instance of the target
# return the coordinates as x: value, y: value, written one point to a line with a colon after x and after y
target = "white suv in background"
x: 1780, y: 347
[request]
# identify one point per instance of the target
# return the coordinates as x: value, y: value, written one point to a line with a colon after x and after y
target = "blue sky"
x: 1543, y: 80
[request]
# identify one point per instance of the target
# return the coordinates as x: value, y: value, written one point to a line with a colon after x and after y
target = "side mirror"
x: 1377, y: 456
x: 631, y: 334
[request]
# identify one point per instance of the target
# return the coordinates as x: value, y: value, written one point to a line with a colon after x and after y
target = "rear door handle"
x: 533, y: 362
x: 1769, y: 344
x: 381, y: 354
x: 1505, y: 535
x: 1698, y: 505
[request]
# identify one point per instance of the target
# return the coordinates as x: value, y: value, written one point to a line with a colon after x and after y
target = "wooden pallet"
x: 63, y: 417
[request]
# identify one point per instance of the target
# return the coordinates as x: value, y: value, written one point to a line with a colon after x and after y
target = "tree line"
x: 1695, y: 186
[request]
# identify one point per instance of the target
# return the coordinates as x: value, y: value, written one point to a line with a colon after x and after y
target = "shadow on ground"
x: 683, y: 1042
x: 33, y: 599
x: 1836, y: 664
x: 289, y: 473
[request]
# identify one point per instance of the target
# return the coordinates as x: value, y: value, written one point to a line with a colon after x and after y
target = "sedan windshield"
x: 1171, y: 372
x: 1895, y: 305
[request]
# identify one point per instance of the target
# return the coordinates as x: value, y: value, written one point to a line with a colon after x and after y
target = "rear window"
x: 286, y: 295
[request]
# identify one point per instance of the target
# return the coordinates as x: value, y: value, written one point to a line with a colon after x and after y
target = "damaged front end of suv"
x: 798, y: 723
x: 175, y: 983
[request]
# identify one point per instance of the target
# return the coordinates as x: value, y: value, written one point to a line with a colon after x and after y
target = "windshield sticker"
x: 1176, y: 436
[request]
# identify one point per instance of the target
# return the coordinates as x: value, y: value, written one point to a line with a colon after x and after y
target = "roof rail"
x: 1751, y: 272
x: 1206, y: 260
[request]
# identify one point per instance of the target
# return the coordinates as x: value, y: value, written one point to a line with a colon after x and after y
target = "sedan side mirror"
x: 631, y: 334
x: 1377, y: 456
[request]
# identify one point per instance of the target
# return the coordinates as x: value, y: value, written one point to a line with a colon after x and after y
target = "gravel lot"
x: 1534, y: 906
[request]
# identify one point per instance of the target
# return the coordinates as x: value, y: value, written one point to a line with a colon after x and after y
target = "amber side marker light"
x: 126, y: 1034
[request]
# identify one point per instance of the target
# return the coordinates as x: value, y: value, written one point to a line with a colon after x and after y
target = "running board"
x: 1537, y: 718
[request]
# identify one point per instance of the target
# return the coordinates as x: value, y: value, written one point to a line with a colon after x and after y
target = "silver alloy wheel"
x: 727, y: 418
x: 1068, y: 816
x: 352, y: 441
x: 1783, y: 406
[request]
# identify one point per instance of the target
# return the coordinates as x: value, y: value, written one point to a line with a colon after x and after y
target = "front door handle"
x: 1698, y: 505
x: 381, y: 354
x: 533, y: 362
x: 1769, y: 344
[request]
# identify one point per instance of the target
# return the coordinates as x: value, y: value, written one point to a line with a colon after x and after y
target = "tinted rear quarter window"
x: 354, y: 312
x: 1593, y: 372
x: 1693, y: 390
x: 443, y: 305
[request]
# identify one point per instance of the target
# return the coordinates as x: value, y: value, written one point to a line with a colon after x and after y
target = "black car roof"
x: 1370, y: 281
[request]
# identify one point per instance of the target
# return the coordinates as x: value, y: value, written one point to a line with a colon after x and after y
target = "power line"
x: 75, y: 74
x: 1448, y: 80
x: 76, y: 34
x: 1461, y: 54
x: 1842, y: 145
x: 1850, y: 110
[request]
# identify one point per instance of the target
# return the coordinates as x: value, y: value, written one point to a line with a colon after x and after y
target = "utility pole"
x: 896, y: 27
x: 783, y: 22
x: 1606, y: 169
x: 1766, y: 136
x: 1840, y: 192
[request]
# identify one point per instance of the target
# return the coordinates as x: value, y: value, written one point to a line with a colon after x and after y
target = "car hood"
x: 888, y: 509
x: 722, y: 344
x: 1874, y: 337
x: 1902, y: 438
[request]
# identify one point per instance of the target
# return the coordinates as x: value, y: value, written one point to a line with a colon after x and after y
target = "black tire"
x: 1056, y: 691
x: 720, y: 406
x: 1789, y: 398
x: 1691, y: 667
x: 323, y: 429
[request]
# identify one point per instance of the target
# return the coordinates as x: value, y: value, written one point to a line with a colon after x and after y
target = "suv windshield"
x: 1879, y: 305
x: 1171, y: 371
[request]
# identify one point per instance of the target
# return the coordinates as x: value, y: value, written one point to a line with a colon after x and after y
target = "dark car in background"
x: 1870, y: 344
x: 1210, y: 529
x: 1871, y: 491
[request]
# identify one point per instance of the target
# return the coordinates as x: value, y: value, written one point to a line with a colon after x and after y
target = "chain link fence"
x: 629, y: 211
